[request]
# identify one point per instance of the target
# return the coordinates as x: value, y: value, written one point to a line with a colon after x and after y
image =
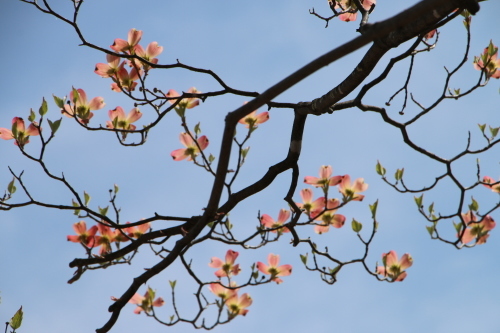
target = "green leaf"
x: 494, y: 131
x: 87, y: 198
x: 228, y: 224
x: 303, y: 258
x: 32, y: 116
x: 116, y: 188
x: 75, y: 204
x: 59, y: 101
x: 103, y: 211
x: 458, y: 227
x: 373, y: 208
x: 172, y: 283
x: 399, y: 174
x: 11, y: 187
x: 482, y: 127
x: 244, y: 152
x: 43, y: 108
x: 418, y: 200
x: 76, y: 94
x: 356, y: 226
x: 380, y: 169
x: 54, y: 126
x: 211, y: 158
x: 431, y: 208
x: 197, y: 129
x: 474, y: 206
x: 16, y: 321
x: 430, y: 230
x: 334, y: 271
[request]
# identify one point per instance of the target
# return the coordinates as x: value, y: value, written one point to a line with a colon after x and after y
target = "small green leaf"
x: 211, y: 158
x: 59, y: 101
x: 334, y: 271
x: 76, y: 95
x: 116, y: 188
x: 430, y: 230
x: 356, y: 226
x: 380, y: 169
x: 494, y: 131
x: 303, y: 258
x: 474, y: 206
x: 458, y: 227
x: 244, y: 152
x: 54, y: 126
x: 32, y: 116
x: 16, y: 321
x: 103, y: 211
x: 43, y: 108
x: 418, y: 200
x: 482, y: 127
x: 373, y: 209
x: 172, y: 318
x: 12, y: 187
x: 228, y: 224
x: 197, y: 129
x: 87, y: 198
x: 431, y: 208
x: 255, y: 275
x: 75, y: 204
x: 172, y: 283
x: 399, y: 174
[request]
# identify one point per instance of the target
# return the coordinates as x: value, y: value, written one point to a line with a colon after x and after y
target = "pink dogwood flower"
x: 474, y: 230
x: 106, y: 237
x: 324, y: 180
x: 83, y: 235
x: 80, y: 107
x: 110, y: 69
x: 394, y: 268
x: 273, y: 269
x: 145, y: 303
x: 120, y: 121
x: 137, y: 231
x: 192, y: 149
x: 269, y: 222
x: 349, y: 8
x: 350, y: 191
x: 227, y: 267
x: 488, y: 180
x: 149, y: 54
x: 124, y: 79
x: 237, y: 305
x: 312, y: 208
x: 329, y: 218
x: 185, y: 103
x: 126, y: 46
x: 488, y: 62
x: 220, y: 291
x: 253, y: 119
x: 19, y: 132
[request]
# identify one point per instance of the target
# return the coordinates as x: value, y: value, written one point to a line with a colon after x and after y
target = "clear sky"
x: 251, y: 45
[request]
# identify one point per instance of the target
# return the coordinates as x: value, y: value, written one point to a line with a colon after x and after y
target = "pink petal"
x: 215, y: 262
x: 285, y: 270
x: 262, y: 267
x: 267, y: 221
x: 273, y: 259
x: 325, y: 171
x: 231, y: 256
x: 6, y: 134
x: 283, y: 216
x: 186, y: 140
x: 203, y: 142
x: 179, y: 154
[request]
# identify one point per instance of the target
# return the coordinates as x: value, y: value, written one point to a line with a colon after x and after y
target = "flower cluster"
x: 90, y: 239
x: 237, y: 305
x: 19, y: 132
x: 393, y: 268
x: 488, y: 62
x: 349, y: 9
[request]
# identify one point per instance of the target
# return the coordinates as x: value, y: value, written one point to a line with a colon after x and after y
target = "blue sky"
x: 251, y: 45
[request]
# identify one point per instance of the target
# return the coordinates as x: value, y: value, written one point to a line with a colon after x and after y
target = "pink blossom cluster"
x: 488, y: 62
x: 349, y: 9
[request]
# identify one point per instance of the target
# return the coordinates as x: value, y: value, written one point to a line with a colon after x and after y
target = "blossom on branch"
x: 120, y: 121
x: 105, y: 239
x: 253, y: 119
x: 273, y: 269
x: 350, y: 190
x: 349, y: 8
x: 125, y: 80
x: 137, y: 231
x: 192, y: 149
x: 475, y: 230
x: 328, y: 217
x: 19, y: 132
x: 394, y: 268
x: 324, y: 180
x: 145, y: 303
x: 220, y: 291
x: 227, y: 267
x: 185, y: 103
x: 149, y: 54
x: 488, y: 62
x: 80, y: 107
x: 110, y: 69
x: 312, y: 208
x: 83, y: 235
x: 126, y: 46
x: 269, y: 222
x: 237, y: 305
x: 488, y: 180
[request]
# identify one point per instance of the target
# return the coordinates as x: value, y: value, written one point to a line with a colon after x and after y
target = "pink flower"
x: 150, y: 54
x: 324, y: 179
x: 237, y: 305
x: 350, y: 191
x: 488, y: 180
x: 268, y: 221
x: 105, y: 239
x: 394, y: 268
x: 137, y: 231
x: 474, y: 230
x: 223, y: 292
x: 145, y: 303
x: 19, y: 132
x: 120, y: 121
x: 192, y: 149
x: 488, y: 62
x: 84, y: 236
x: 349, y: 8
x: 312, y: 208
x: 228, y: 267
x: 110, y: 69
x: 125, y: 80
x: 125, y: 46
x: 329, y: 218
x: 273, y: 269
x: 253, y: 119
x: 430, y: 34
x: 80, y: 107
x: 185, y: 103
